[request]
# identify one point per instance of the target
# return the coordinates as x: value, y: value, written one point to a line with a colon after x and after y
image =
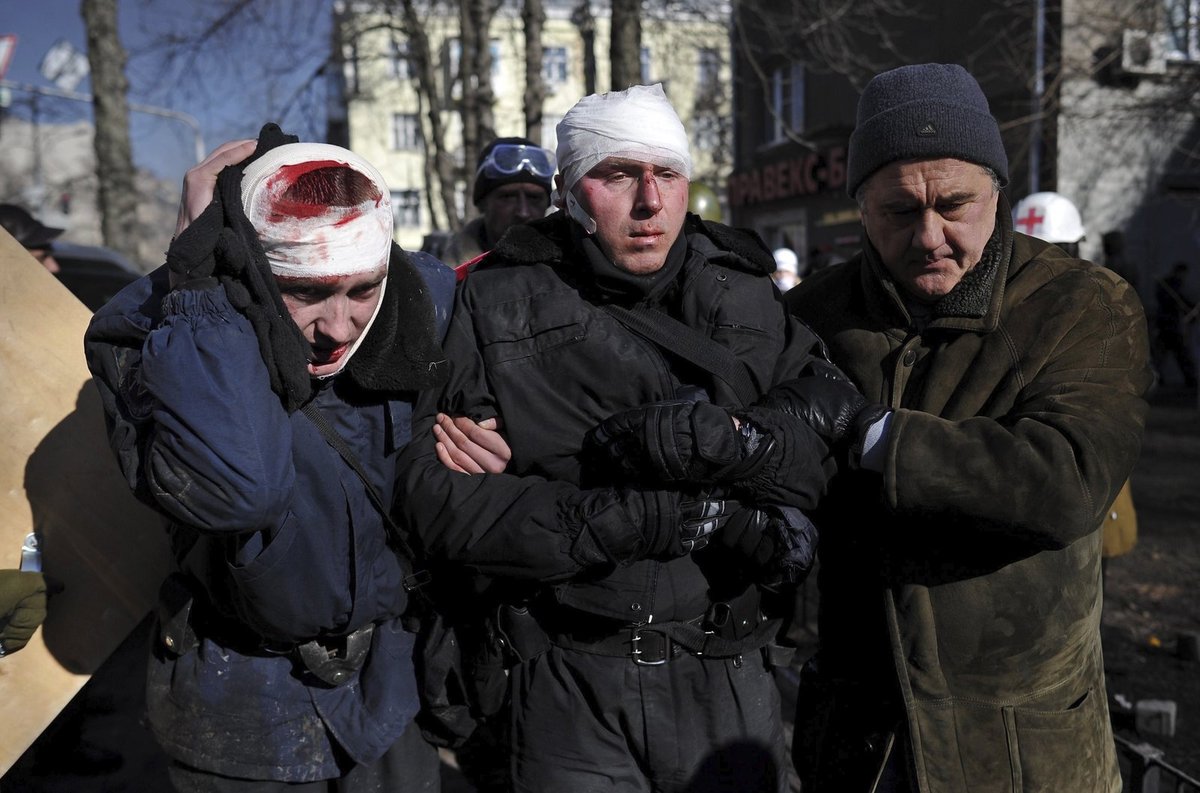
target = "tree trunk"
x: 583, y: 19
x: 422, y: 62
x: 114, y: 155
x: 475, y: 70
x: 625, y: 51
x: 533, y: 15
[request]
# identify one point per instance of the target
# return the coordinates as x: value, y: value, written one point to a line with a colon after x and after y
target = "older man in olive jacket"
x: 1003, y: 384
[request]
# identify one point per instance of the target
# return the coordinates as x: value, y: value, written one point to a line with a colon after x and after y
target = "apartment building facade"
x: 383, y: 116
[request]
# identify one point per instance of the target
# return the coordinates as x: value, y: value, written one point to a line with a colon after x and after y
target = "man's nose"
x: 648, y: 194
x: 930, y: 232
x: 334, y: 323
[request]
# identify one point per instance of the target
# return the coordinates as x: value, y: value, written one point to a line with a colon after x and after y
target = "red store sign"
x: 818, y: 172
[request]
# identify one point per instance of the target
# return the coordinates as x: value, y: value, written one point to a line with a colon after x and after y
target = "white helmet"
x: 785, y: 260
x: 786, y: 269
x: 1048, y: 216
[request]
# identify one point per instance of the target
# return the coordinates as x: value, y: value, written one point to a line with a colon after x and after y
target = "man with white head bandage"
x: 640, y: 652
x: 258, y: 389
x: 638, y: 124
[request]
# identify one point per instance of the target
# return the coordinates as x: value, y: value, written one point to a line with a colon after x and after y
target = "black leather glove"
x: 22, y: 607
x: 770, y: 456
x: 826, y: 400
x: 674, y: 441
x: 617, y: 526
x: 698, y: 519
x: 780, y: 543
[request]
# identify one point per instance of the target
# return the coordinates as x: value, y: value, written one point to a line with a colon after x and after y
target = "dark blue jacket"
x: 273, y: 532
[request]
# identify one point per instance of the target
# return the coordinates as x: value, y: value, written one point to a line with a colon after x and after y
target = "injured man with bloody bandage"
x: 258, y: 388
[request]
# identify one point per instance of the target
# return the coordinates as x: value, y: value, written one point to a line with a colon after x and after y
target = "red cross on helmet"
x: 1048, y: 216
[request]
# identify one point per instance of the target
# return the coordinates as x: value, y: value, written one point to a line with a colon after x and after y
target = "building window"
x: 1183, y: 29
x: 398, y: 60
x: 494, y: 49
x: 554, y: 65
x: 786, y: 111
x: 406, y: 132
x: 350, y: 67
x: 706, y: 132
x: 453, y: 57
x: 406, y: 207
x: 645, y: 62
x: 450, y: 60
x: 708, y: 78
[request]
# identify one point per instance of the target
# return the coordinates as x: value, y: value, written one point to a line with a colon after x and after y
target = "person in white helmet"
x: 1054, y: 218
x: 1051, y: 217
x: 787, y: 270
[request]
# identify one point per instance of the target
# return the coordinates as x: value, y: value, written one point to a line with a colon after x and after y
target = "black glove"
x: 697, y: 520
x: 617, y: 526
x: 769, y: 456
x: 780, y: 543
x: 22, y: 607
x: 190, y: 257
x: 827, y: 401
x: 674, y: 441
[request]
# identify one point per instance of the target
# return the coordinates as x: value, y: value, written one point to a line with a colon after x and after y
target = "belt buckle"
x: 639, y: 654
x: 335, y: 665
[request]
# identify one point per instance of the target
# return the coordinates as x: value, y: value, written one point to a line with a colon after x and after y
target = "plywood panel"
x: 58, y: 477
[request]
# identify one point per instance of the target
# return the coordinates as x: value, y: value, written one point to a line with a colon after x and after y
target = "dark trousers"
x: 410, y: 764
x: 584, y: 723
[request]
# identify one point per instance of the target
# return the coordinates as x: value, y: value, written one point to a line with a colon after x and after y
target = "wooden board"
x: 58, y: 477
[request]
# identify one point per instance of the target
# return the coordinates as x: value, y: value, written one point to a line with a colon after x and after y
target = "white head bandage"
x: 637, y: 124
x: 311, y: 240
x: 305, y: 237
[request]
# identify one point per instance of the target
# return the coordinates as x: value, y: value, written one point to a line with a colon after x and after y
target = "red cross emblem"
x: 1030, y: 221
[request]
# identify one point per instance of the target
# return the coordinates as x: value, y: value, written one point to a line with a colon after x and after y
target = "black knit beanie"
x: 485, y: 184
x: 925, y: 111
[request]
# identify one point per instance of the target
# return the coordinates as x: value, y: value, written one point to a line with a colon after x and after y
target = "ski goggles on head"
x: 507, y: 159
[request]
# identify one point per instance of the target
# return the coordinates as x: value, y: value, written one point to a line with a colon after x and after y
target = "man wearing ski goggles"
x: 508, y: 159
x: 513, y: 179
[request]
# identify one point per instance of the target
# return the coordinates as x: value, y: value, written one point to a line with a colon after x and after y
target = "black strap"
x: 703, y: 642
x: 690, y: 345
x: 334, y: 439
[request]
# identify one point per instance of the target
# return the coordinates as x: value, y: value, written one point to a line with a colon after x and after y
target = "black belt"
x: 645, y: 645
x: 184, y: 618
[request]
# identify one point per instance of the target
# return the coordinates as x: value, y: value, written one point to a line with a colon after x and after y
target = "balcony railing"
x: 1145, y: 770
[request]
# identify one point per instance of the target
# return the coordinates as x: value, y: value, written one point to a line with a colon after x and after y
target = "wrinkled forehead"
x: 932, y: 180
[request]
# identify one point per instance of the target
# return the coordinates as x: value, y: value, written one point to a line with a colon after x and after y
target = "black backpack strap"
x: 690, y: 345
x: 418, y: 578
